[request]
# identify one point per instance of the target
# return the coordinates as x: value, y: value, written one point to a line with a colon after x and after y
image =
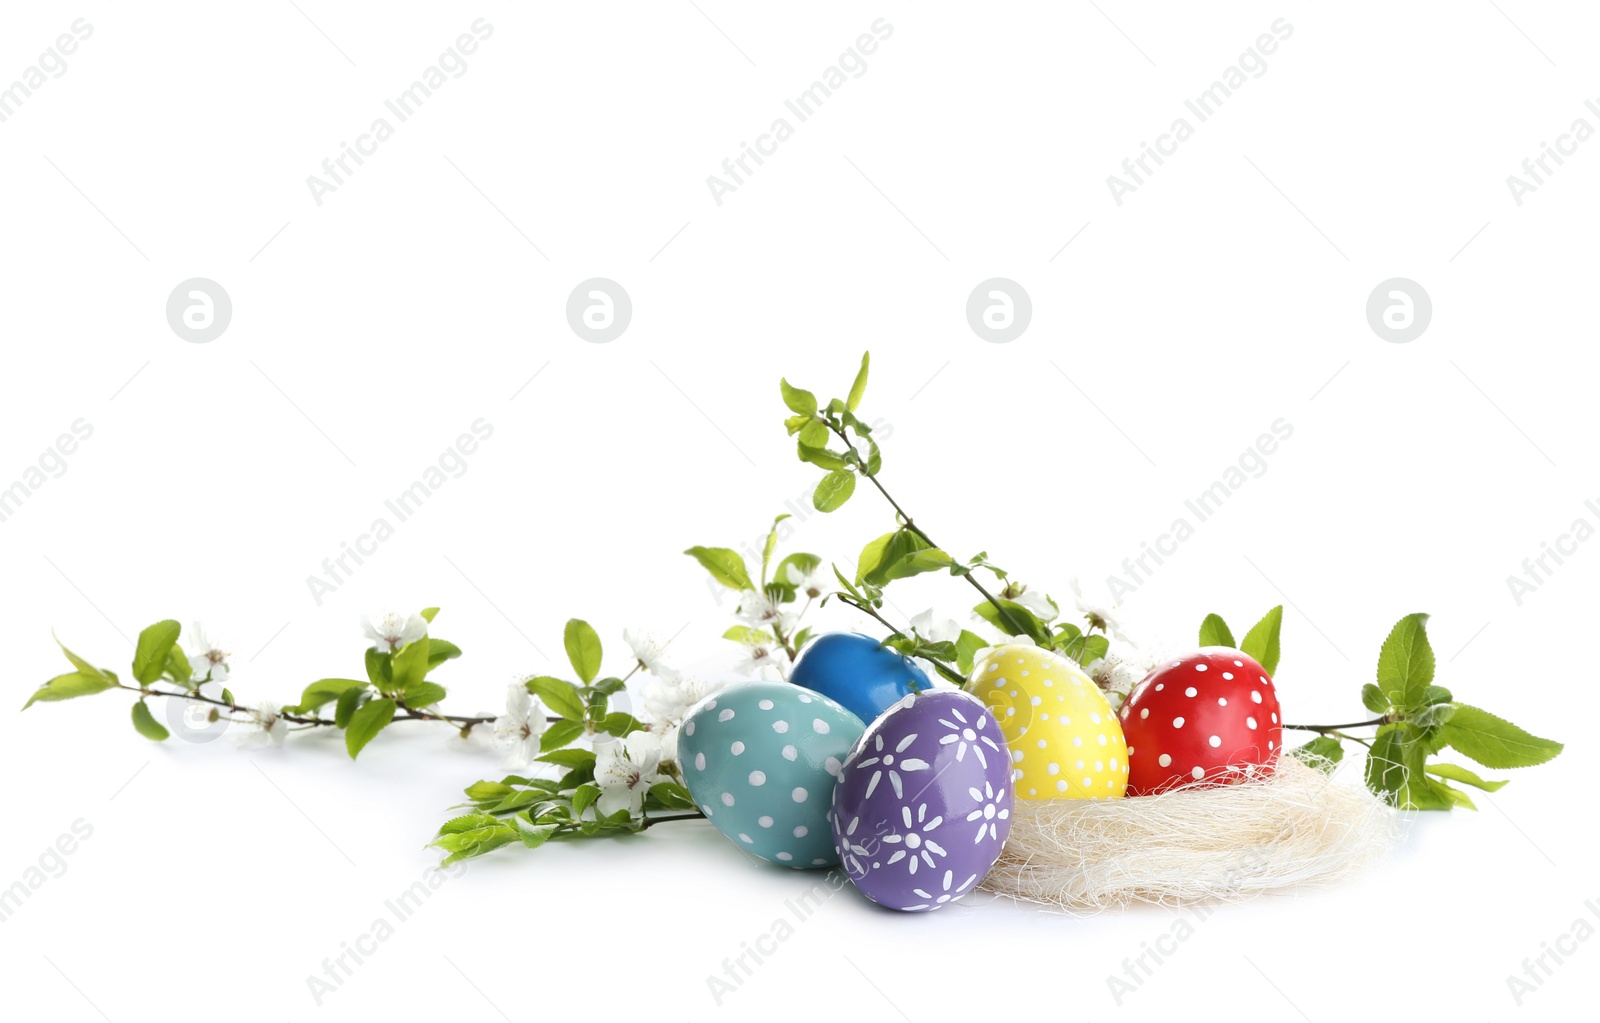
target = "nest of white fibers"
x: 1294, y: 827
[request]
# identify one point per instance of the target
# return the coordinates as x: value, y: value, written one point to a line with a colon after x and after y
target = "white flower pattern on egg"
x: 964, y: 734
x: 917, y: 822
x: 913, y: 845
x: 890, y: 767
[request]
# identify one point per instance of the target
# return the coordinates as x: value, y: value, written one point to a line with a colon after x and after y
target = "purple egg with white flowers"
x: 923, y: 803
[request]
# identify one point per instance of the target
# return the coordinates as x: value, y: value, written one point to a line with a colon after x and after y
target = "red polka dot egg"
x: 1210, y: 716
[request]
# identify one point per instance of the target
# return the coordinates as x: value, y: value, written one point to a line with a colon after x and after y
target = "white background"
x: 369, y: 331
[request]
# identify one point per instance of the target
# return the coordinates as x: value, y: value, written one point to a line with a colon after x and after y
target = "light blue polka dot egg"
x: 761, y: 760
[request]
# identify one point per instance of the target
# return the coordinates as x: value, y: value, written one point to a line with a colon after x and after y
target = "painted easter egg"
x: 923, y: 804
x: 761, y: 760
x: 1065, y: 739
x: 858, y: 672
x: 1210, y: 716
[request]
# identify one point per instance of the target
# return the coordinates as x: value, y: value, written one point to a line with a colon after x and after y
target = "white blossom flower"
x: 625, y: 769
x: 668, y: 702
x: 758, y: 610
x: 759, y: 657
x: 1100, y: 613
x: 1036, y: 602
x: 270, y: 724
x: 393, y: 630
x: 208, y: 657
x: 1117, y: 673
x: 668, y: 737
x: 520, y: 727
x: 813, y: 584
x: 648, y: 651
x: 944, y: 630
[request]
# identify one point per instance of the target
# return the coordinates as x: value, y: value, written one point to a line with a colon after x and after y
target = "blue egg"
x: 761, y: 759
x: 859, y: 672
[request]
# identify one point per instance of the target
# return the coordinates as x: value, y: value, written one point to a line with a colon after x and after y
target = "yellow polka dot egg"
x: 1065, y: 741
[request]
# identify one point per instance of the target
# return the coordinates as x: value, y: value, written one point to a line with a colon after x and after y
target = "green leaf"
x: 1436, y: 714
x: 559, y: 695
x: 533, y: 835
x: 833, y: 490
x: 583, y: 797
x: 467, y: 844
x: 1214, y: 632
x: 800, y: 402
x: 583, y: 648
x: 567, y: 757
x: 1456, y: 772
x: 439, y: 651
x: 881, y: 555
x: 345, y: 709
x: 368, y: 720
x: 820, y: 455
x: 619, y: 724
x: 1385, y: 771
x: 1455, y: 795
x: 468, y: 821
x: 874, y: 458
x: 1261, y: 642
x: 178, y: 665
x: 155, y: 643
x: 516, y: 801
x: 859, y: 388
x: 324, y: 689
x: 1027, y: 623
x: 929, y: 559
x: 1322, y: 753
x: 1405, y: 664
x: 813, y: 433
x: 1088, y: 649
x: 145, y: 722
x: 1493, y: 741
x: 771, y: 545
x: 481, y: 790
x: 725, y: 566
x: 429, y: 613
x: 672, y: 795
x: 82, y: 665
x: 410, y: 664
x: 559, y: 734
x: 1420, y: 792
x: 967, y: 646
x: 748, y: 636
x: 1373, y: 699
x: 379, y: 669
x: 423, y: 694
x: 68, y: 686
